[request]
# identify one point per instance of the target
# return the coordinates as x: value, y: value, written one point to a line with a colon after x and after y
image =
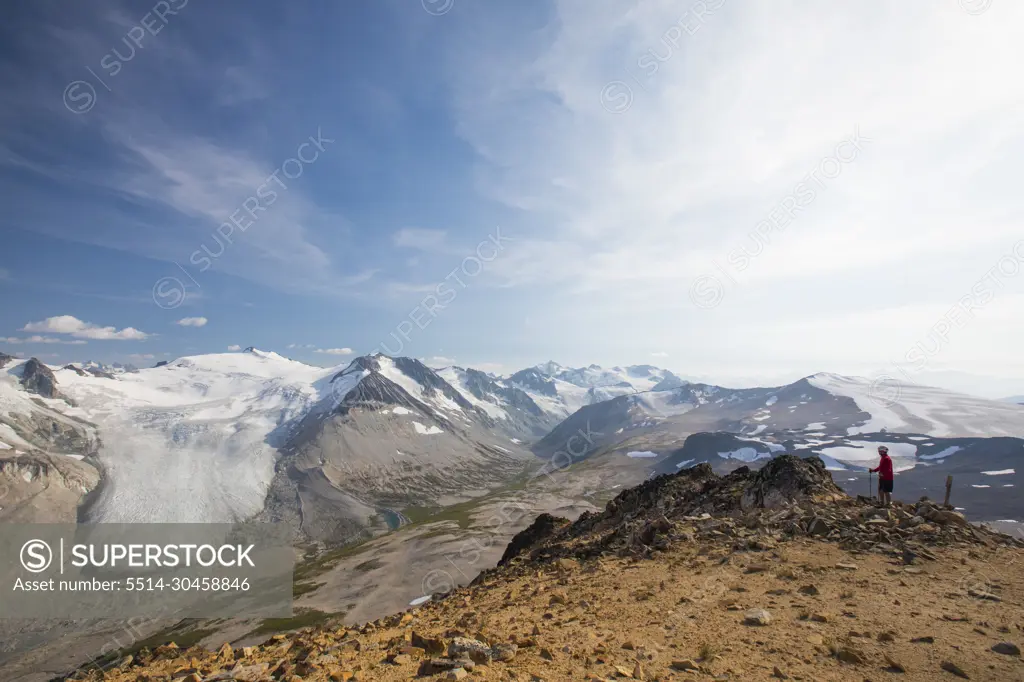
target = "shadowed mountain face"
x: 672, y: 415
x: 391, y: 434
x: 512, y: 408
x: 38, y: 378
x: 532, y: 379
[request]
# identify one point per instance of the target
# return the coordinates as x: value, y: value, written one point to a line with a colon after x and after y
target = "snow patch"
x: 771, y: 401
x: 980, y: 486
x: 683, y: 463
x: 1001, y: 472
x: 638, y: 454
x: 426, y: 430
x: 401, y: 410
x: 745, y: 455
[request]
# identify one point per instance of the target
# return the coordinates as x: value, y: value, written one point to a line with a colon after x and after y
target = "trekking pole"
x: 871, y: 485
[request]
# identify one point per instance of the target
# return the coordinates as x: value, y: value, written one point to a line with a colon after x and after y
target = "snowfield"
x: 186, y: 442
x: 904, y: 407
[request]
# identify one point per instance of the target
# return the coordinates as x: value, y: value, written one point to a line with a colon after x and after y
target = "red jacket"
x: 884, y: 469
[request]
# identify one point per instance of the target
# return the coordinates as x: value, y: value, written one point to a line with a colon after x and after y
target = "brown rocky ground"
x: 754, y: 576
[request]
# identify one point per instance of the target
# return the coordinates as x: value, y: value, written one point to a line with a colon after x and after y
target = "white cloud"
x: 659, y: 354
x: 300, y: 345
x: 438, y: 361
x: 335, y: 351
x: 41, y: 339
x: 138, y: 357
x: 720, y: 129
x: 234, y: 347
x: 192, y: 322
x: 68, y: 324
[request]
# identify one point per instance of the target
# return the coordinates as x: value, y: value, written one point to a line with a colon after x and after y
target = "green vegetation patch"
x: 303, y: 618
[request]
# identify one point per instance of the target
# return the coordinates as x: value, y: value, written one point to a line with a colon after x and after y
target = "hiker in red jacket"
x: 885, y: 476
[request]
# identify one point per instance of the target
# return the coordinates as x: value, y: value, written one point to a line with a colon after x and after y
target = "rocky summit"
x: 757, y: 575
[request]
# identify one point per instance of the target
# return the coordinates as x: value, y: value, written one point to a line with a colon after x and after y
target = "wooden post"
x: 949, y: 487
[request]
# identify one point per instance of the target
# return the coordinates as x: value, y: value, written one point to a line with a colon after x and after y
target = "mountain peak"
x: 549, y: 368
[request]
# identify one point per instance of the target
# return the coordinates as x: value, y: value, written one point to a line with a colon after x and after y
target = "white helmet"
x: 882, y: 448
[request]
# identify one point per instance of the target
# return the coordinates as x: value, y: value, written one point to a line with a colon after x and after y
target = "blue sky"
x: 632, y: 162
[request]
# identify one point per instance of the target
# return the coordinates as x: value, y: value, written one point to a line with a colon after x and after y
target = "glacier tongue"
x: 186, y: 442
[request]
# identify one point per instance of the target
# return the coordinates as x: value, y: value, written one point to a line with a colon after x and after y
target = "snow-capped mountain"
x: 510, y: 405
x: 237, y: 435
x: 46, y: 446
x: 561, y: 391
x: 819, y: 405
x: 390, y: 434
x: 207, y: 438
x: 911, y: 408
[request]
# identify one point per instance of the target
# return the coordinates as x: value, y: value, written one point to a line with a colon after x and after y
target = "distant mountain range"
x: 334, y: 451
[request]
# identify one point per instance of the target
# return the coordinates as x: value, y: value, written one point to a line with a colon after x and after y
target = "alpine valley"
x: 401, y: 481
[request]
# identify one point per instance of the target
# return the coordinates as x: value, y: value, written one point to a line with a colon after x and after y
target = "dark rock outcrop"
x: 541, y: 529
x: 4, y: 359
x: 38, y: 378
x: 753, y: 510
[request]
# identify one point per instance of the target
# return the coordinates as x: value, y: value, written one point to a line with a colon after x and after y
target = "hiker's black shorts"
x: 885, y: 486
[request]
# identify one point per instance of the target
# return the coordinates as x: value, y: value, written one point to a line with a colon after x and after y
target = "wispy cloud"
x: 420, y: 239
x: 234, y: 347
x: 192, y: 322
x: 41, y: 339
x: 335, y: 351
x: 68, y: 324
x: 621, y: 212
